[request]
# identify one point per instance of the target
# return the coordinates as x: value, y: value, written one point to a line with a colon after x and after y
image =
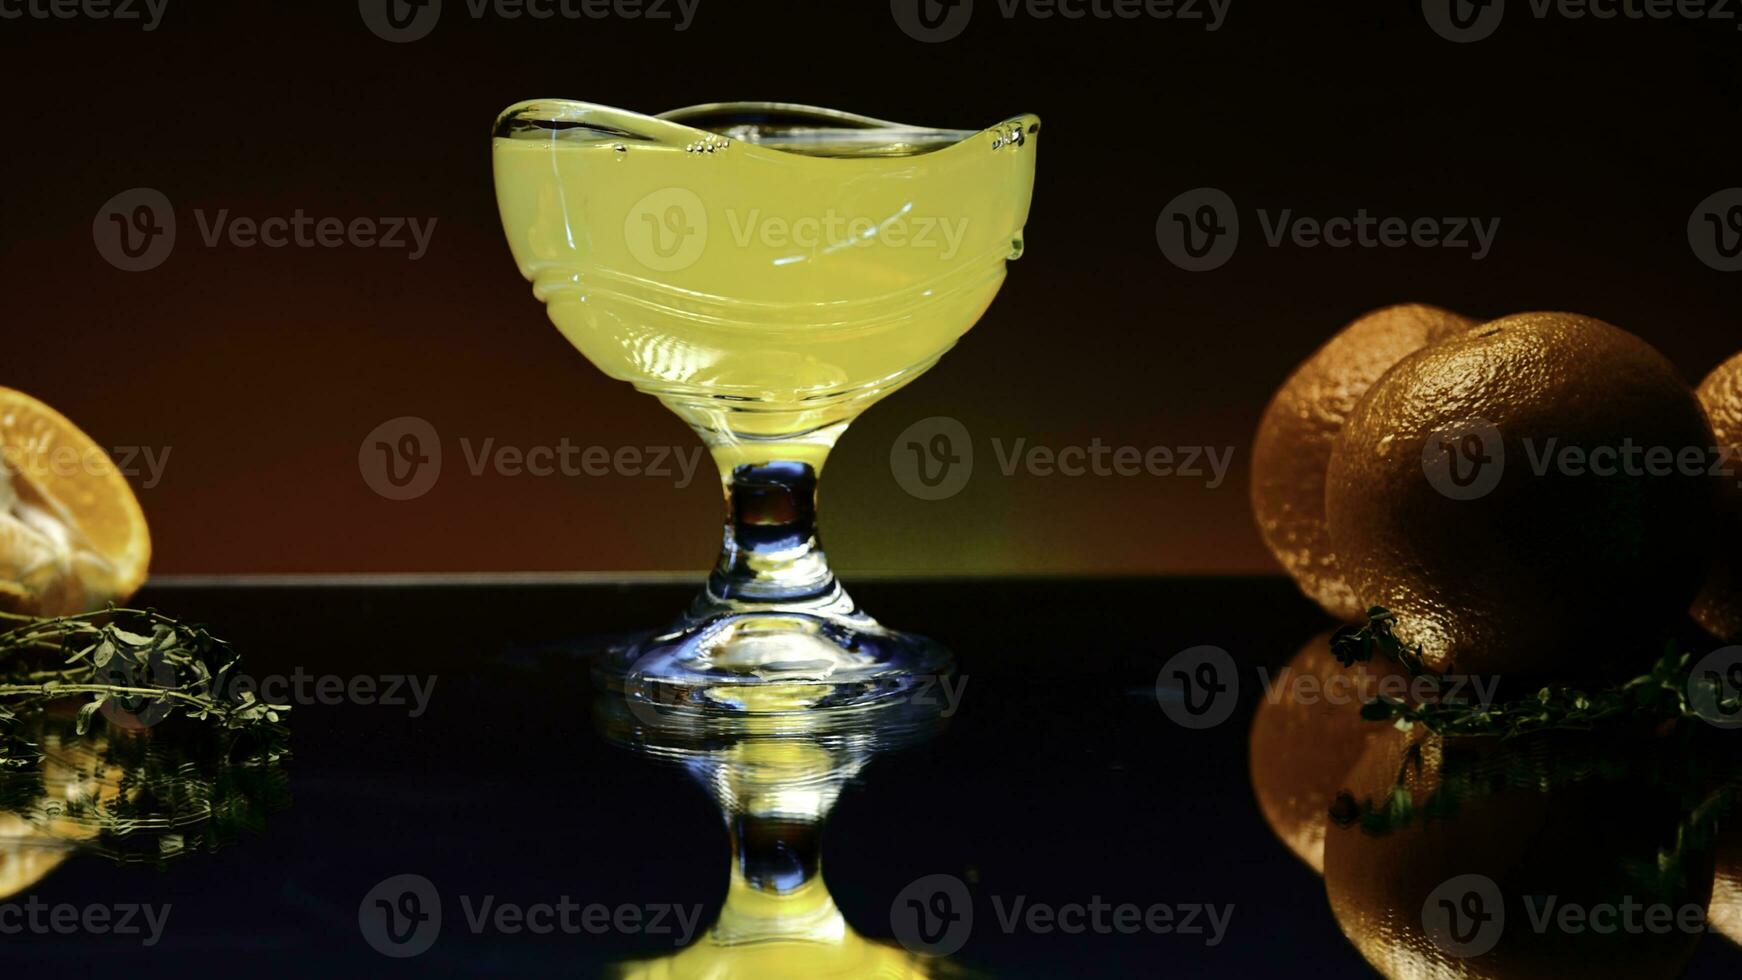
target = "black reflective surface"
x: 1052, y: 776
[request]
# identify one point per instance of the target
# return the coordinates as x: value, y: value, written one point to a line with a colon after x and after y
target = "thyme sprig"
x: 1660, y: 695
x: 135, y: 661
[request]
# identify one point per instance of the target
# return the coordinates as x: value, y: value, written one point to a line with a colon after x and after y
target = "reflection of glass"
x: 775, y: 783
x: 129, y: 797
x: 768, y: 272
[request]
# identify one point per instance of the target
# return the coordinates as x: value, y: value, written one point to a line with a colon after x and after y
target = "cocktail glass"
x: 767, y: 271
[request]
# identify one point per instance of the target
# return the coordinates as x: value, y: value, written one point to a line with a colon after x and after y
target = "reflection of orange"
x: 1719, y: 607
x: 1527, y: 573
x: 26, y: 855
x: 1307, y: 733
x: 72, y: 536
x: 1293, y: 446
x: 1590, y: 844
x: 1726, y: 912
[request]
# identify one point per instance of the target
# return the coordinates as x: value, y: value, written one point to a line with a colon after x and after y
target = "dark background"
x: 262, y: 370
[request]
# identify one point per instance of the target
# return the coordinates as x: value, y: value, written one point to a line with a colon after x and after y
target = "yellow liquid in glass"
x: 767, y: 281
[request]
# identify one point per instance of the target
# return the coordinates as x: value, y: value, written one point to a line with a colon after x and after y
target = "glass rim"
x: 674, y: 127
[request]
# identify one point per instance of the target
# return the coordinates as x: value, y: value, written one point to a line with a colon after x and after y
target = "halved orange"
x: 1719, y: 607
x: 72, y: 534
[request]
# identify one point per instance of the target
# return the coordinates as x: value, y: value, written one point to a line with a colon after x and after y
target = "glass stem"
x: 770, y: 552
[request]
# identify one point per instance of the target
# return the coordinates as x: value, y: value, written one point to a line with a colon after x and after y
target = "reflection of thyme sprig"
x: 195, y: 788
x: 135, y: 660
x: 1654, y: 701
x: 1681, y: 768
x: 1658, y: 696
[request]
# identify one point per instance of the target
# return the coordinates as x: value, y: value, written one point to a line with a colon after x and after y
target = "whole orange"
x: 1293, y: 446
x: 1532, y: 498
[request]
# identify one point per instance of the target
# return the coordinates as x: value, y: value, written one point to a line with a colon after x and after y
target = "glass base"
x: 770, y: 659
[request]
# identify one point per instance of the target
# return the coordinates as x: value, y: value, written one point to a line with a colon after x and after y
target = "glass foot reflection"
x: 775, y: 779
